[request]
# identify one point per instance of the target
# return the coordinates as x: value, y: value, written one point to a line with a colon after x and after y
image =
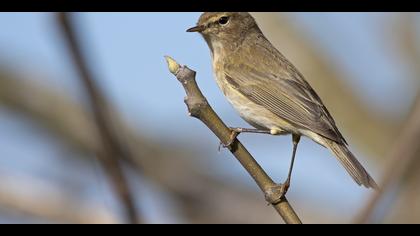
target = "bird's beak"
x: 198, y: 28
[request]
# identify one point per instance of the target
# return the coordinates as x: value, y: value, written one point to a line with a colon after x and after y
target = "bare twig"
x: 402, y: 154
x: 112, y: 149
x: 172, y: 168
x: 198, y: 107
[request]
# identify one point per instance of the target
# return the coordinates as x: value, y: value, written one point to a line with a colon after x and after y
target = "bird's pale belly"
x: 254, y: 114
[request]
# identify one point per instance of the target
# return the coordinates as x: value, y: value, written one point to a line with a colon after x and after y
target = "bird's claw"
x: 234, y: 133
x: 274, y: 194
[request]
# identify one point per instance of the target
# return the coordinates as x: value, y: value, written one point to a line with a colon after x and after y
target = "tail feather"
x: 351, y: 164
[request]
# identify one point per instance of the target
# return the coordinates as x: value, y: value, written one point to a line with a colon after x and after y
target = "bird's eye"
x: 223, y: 20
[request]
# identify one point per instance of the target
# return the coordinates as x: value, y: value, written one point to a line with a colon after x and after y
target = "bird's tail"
x: 352, y: 165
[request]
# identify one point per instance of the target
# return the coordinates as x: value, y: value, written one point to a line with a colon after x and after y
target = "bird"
x: 268, y: 91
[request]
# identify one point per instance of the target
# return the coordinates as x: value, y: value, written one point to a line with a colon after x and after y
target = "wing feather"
x: 284, y: 92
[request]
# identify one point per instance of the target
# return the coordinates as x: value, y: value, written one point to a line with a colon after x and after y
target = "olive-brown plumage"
x: 267, y: 90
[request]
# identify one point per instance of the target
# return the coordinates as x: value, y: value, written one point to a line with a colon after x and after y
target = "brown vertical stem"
x: 112, y: 150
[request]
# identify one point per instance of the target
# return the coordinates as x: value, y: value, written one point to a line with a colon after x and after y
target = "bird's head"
x: 224, y: 27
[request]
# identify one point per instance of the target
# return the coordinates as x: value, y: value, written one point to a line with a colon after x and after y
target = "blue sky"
x: 127, y: 50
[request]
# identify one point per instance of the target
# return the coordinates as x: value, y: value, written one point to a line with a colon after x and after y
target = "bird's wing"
x: 283, y: 92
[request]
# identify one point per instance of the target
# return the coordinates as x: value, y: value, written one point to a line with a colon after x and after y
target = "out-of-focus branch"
x: 52, y: 108
x: 111, y: 148
x: 372, y: 131
x: 402, y: 169
x: 47, y: 203
x: 401, y: 32
x: 199, y: 108
x: 401, y: 157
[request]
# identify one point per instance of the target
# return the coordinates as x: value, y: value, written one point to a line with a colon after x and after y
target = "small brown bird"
x: 268, y: 91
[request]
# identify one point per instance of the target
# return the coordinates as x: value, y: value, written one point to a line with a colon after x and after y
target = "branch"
x: 172, y: 168
x: 401, y: 157
x: 199, y: 108
x: 111, y: 149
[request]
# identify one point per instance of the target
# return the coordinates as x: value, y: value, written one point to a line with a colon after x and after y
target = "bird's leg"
x: 296, y: 139
x: 236, y: 131
x: 281, y: 189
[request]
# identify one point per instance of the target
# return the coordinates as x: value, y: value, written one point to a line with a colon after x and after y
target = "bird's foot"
x: 274, y: 194
x: 234, y: 133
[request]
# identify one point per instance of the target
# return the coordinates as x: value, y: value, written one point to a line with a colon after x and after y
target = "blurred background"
x: 364, y: 66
